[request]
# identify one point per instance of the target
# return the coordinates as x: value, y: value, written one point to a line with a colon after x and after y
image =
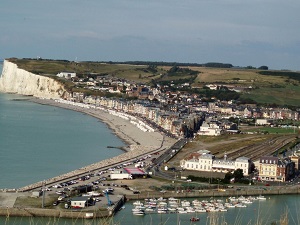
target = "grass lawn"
x: 288, y: 95
x: 274, y: 130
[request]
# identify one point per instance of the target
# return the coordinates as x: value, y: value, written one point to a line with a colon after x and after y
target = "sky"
x: 240, y: 32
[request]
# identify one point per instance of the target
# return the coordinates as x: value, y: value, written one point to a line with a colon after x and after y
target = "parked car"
x: 55, y: 203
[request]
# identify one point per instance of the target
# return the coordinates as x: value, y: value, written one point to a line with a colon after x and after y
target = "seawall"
x: 281, y: 190
x: 52, y: 213
x: 19, y: 81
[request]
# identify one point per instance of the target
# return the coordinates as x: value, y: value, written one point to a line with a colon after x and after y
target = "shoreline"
x: 127, y: 132
x: 138, y: 142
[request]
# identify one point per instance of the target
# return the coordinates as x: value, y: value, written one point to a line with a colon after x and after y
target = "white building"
x: 67, y: 75
x: 79, y: 202
x: 208, y: 162
x: 210, y: 129
x: 262, y: 122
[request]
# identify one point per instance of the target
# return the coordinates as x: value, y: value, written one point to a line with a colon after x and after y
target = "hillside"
x: 262, y: 86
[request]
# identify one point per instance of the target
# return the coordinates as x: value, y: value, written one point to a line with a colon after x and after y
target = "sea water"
x: 38, y: 142
x: 264, y: 212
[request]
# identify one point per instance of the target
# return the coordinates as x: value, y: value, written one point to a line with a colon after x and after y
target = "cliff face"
x: 19, y: 81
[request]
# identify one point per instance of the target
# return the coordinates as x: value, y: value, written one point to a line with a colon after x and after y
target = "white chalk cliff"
x: 19, y: 81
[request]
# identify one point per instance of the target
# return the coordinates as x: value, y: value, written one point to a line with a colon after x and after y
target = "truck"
x: 120, y: 176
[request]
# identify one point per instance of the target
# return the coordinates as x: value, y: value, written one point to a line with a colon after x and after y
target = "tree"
x: 228, y: 177
x: 263, y: 68
x: 238, y: 174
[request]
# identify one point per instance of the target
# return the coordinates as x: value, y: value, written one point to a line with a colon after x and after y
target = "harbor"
x: 176, y: 205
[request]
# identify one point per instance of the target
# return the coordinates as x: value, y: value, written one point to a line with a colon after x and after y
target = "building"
x: 80, y: 202
x: 296, y: 159
x: 273, y: 168
x: 209, y: 163
x: 209, y: 129
x: 67, y: 75
x: 262, y: 122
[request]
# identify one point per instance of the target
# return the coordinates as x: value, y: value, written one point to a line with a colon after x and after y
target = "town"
x: 180, y: 114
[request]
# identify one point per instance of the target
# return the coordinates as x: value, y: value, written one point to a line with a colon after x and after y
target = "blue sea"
x: 38, y: 142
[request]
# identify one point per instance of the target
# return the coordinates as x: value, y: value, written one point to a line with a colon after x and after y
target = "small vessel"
x: 195, y: 219
x: 139, y: 213
x: 261, y: 198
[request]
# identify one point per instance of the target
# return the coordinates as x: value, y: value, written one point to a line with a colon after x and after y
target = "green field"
x: 287, y: 95
x: 274, y: 130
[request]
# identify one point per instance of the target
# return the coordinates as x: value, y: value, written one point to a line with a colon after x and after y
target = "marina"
x: 176, y: 205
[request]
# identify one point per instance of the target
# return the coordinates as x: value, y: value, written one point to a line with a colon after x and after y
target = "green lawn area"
x: 288, y: 95
x: 274, y: 130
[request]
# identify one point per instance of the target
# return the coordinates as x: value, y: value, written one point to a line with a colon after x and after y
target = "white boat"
x: 200, y: 210
x: 149, y: 210
x: 261, y: 198
x: 190, y: 210
x: 136, y: 203
x: 223, y: 210
x: 138, y: 213
x: 162, y: 210
x: 172, y: 210
x: 240, y: 205
x: 229, y: 205
x: 185, y: 203
x: 181, y: 210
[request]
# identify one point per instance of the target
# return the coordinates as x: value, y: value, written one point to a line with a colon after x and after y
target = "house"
x: 67, y: 75
x: 209, y: 129
x: 273, y: 168
x: 80, y: 202
x: 262, y: 122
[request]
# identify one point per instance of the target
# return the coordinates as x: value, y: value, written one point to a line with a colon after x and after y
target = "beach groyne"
x: 19, y: 81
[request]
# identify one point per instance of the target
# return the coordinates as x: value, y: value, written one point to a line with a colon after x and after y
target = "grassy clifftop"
x: 271, y: 87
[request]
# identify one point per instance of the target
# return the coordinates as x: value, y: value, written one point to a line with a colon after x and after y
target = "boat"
x: 138, y: 203
x: 195, y: 219
x: 139, y: 213
x: 261, y: 198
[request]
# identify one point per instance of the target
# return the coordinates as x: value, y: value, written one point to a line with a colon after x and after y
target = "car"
x: 55, y: 203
